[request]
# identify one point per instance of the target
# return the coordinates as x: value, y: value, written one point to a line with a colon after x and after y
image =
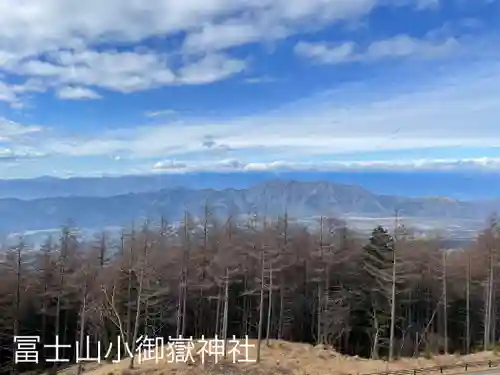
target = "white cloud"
x: 10, y: 130
x: 7, y: 93
x: 31, y: 27
x: 270, y: 20
x: 258, y: 80
x: 457, y: 110
x: 7, y: 155
x: 221, y: 36
x: 76, y: 93
x: 233, y: 165
x: 126, y: 71
x: 112, y: 70
x: 210, y: 69
x: 169, y: 165
x: 404, y: 46
x: 64, y: 42
x: 399, y: 46
x: 10, y: 93
x: 425, y: 4
x: 161, y: 113
x: 325, y: 54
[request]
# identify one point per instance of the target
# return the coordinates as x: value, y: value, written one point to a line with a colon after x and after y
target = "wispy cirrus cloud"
x: 10, y: 130
x: 160, y: 113
x: 457, y: 111
x: 260, y: 80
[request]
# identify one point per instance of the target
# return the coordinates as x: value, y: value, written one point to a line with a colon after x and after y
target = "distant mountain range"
x: 465, y: 185
x: 303, y: 200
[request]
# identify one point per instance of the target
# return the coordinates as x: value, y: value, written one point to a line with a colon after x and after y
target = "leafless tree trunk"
x: 17, y: 313
x: 129, y: 286
x: 489, y: 289
x: 142, y: 266
x: 493, y: 317
x: 270, y: 305
x: 445, y: 304
x: 186, y: 248
x: 282, y: 307
x: 376, y: 337
x: 217, y: 311
x: 393, y: 291
x: 82, y: 325
x: 467, y: 341
x: 320, y: 313
x: 180, y: 303
x: 62, y: 271
x: 261, y: 304
x: 226, y: 311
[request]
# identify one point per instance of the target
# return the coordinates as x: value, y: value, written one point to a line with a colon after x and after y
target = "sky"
x: 172, y: 86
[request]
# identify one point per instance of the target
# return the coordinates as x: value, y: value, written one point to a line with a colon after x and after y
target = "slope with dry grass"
x: 285, y: 358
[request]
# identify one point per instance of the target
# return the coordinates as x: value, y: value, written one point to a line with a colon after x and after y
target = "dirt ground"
x: 281, y: 358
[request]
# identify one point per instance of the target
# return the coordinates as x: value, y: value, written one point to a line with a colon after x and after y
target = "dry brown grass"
x: 285, y: 358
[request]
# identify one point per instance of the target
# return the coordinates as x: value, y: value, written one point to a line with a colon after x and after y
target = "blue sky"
x: 122, y: 86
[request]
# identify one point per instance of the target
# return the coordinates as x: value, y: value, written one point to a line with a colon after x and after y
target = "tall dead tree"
x: 284, y: 252
x: 445, y: 302
x: 143, y: 263
x: 269, y: 304
x: 65, y: 244
x: 393, y: 288
x: 129, y: 282
x: 490, y: 237
x: 17, y: 309
x: 226, y: 310
x: 83, y: 311
x: 467, y: 323
x: 261, y: 304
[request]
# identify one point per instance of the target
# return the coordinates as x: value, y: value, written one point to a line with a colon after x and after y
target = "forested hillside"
x: 264, y: 278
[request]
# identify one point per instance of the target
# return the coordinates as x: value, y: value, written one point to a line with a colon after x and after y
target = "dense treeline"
x: 388, y: 295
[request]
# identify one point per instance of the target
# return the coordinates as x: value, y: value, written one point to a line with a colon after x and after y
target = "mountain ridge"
x: 300, y: 199
x: 466, y: 185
